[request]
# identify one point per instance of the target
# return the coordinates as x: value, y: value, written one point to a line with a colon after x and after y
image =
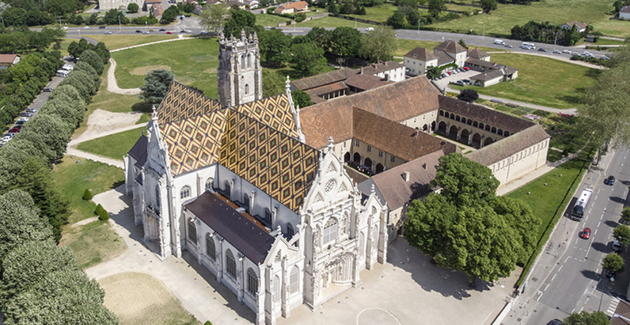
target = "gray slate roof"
x: 139, y: 151
x: 422, y: 54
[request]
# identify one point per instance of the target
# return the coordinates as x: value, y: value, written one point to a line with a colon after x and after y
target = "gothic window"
x: 267, y: 215
x: 228, y: 189
x: 330, y: 231
x: 294, y: 280
x: 211, y: 249
x: 276, y: 288
x: 192, y: 231
x: 249, y: 61
x: 289, y: 231
x: 157, y: 199
x: 243, y: 62
x: 209, y: 184
x: 230, y: 264
x: 361, y: 240
x: 252, y: 282
x: 185, y: 192
x: 246, y: 202
x: 246, y: 89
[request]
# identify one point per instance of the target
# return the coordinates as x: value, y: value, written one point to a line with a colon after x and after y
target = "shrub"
x: 103, y: 215
x: 98, y: 210
x: 87, y: 195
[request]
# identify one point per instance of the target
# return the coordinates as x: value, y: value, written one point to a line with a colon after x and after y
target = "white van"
x: 67, y: 67
x: 499, y: 41
x: 528, y: 46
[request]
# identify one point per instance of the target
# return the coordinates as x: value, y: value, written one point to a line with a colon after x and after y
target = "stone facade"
x: 240, y: 73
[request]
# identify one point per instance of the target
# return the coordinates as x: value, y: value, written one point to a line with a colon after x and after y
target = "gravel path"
x: 112, y: 85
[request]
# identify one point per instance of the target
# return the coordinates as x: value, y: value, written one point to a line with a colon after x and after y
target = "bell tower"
x: 239, y: 74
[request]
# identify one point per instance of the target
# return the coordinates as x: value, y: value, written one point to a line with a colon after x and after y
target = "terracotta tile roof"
x: 476, y: 53
x: 377, y: 68
x: 482, y: 63
x: 484, y: 115
x: 237, y: 229
x: 366, y: 81
x: 322, y: 79
x: 7, y: 58
x: 506, y: 147
x: 157, y: 10
x: 152, y: 1
x: 393, y: 188
x: 422, y: 54
x: 623, y: 309
x: 398, y: 102
x: 326, y: 89
x: 450, y: 46
x: 299, y: 5
x: 392, y: 137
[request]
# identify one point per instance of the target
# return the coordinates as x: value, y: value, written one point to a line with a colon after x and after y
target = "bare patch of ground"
x: 141, y: 71
x: 103, y: 122
x: 138, y: 298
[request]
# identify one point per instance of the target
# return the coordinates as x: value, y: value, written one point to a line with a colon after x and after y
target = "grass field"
x: 378, y: 13
x: 115, y: 41
x: 72, y: 178
x: 113, y: 146
x: 93, y: 243
x: 332, y: 22
x: 605, y: 41
x: 558, y: 12
x: 548, y: 202
x: 138, y: 298
x: 270, y: 20
x: 194, y: 63
x: 541, y: 81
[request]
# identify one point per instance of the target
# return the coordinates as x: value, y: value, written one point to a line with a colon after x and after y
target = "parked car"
x: 203, y: 32
x: 19, y: 127
x: 459, y: 83
x: 466, y: 81
x: 8, y: 136
x: 14, y: 130
x: 556, y: 52
x: 576, y: 53
x: 616, y: 246
x: 604, y: 57
x: 586, y: 233
x: 542, y: 50
x: 31, y: 110
x: 102, y: 27
x: 555, y: 322
x: 107, y: 32
x: 162, y: 30
x: 26, y: 114
x: 182, y: 31
x: 86, y: 27
x: 499, y: 41
x: 466, y: 68
x: 169, y: 32
x: 20, y: 122
x: 47, y: 90
x: 369, y: 29
x: 23, y: 118
x: 566, y: 51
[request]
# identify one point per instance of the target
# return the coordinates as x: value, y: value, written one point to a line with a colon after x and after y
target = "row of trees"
x: 23, y: 40
x: 76, y: 49
x: 37, y: 13
x: 41, y: 283
x: 467, y: 227
x: 545, y: 32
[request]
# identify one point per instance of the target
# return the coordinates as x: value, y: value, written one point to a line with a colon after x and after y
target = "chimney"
x: 361, y: 71
x: 424, y: 166
x: 405, y: 176
x: 387, y: 77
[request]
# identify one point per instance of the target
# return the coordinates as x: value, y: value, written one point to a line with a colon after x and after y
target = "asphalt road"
x: 568, y: 277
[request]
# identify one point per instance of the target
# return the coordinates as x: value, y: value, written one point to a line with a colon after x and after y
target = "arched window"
x: 249, y: 61
x: 330, y: 231
x: 185, y: 192
x: 289, y: 231
x: 157, y: 199
x: 230, y: 264
x: 267, y: 215
x: 192, y: 231
x: 276, y: 288
x: 294, y: 280
x: 246, y: 89
x: 252, y: 282
x: 228, y: 189
x: 211, y: 249
x: 243, y: 62
x: 246, y: 202
x: 209, y: 184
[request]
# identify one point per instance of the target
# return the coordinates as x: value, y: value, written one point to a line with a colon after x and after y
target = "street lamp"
x: 119, y: 28
x: 483, y: 36
x: 419, y: 19
x: 555, y: 41
x: 59, y: 21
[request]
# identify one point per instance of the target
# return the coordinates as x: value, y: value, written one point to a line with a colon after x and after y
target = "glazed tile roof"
x: 257, y: 141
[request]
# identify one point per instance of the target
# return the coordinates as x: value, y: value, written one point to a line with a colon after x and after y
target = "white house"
x: 624, y: 13
x: 580, y: 27
x: 452, y: 51
x: 419, y: 60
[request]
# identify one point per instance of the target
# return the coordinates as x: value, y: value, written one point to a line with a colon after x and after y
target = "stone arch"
x: 441, y: 113
x: 209, y: 184
x: 488, y: 141
x: 457, y: 118
x: 487, y: 127
x: 276, y: 288
x: 290, y: 231
x: 341, y: 269
x: 294, y: 280
x: 500, y: 132
x: 480, y: 126
x: 379, y: 168
x: 476, y: 140
x: 249, y: 60
x: 452, y: 132
x: 442, y: 127
x: 474, y: 124
x: 230, y: 264
x: 452, y: 117
x: 243, y: 61
x: 425, y: 128
x: 368, y: 162
x: 464, y: 120
x: 185, y: 192
x: 357, y: 158
x: 464, y: 135
x: 506, y: 133
x: 493, y: 130
x: 211, y: 249
x: 192, y: 231
x: 469, y: 122
x: 252, y: 282
x: 433, y: 126
x: 346, y: 157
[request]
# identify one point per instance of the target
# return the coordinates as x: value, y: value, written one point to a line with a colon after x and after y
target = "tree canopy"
x: 156, y: 84
x: 307, y: 58
x: 301, y: 98
x: 622, y: 234
x: 215, y: 17
x: 379, y: 44
x: 586, y: 318
x: 613, y: 263
x: 468, y: 95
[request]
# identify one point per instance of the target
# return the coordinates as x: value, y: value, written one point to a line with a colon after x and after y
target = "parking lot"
x: 455, y: 77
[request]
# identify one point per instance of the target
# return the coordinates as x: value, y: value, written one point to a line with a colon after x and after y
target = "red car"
x: 14, y: 130
x: 466, y: 68
x: 586, y: 233
x: 169, y: 32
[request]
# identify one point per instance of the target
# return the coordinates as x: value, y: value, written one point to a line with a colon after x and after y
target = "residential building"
x: 478, y: 54
x: 7, y: 60
x: 418, y: 60
x: 292, y: 8
x: 451, y: 52
x: 580, y: 27
x: 624, y: 13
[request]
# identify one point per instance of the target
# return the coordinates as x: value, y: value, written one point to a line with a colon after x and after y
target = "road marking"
x: 596, y: 197
x: 560, y: 268
x: 581, y: 309
x: 595, y: 233
x: 554, y: 277
x: 589, y: 248
x: 575, y: 241
x: 541, y: 294
x: 566, y: 259
x: 599, y: 223
x: 547, y: 286
x: 612, y: 306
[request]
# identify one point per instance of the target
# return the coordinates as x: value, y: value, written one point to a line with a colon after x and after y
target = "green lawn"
x: 194, y: 63
x: 605, y: 41
x: 270, y: 20
x: 113, y: 146
x: 378, y: 13
x: 541, y: 81
x: 72, y: 178
x: 549, y: 201
x: 93, y: 243
x: 593, y: 12
x: 119, y: 41
x: 332, y: 22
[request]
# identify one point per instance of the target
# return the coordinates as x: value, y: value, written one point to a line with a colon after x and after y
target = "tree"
x: 274, y: 47
x: 488, y: 5
x: 273, y: 83
x: 320, y: 36
x: 613, y: 263
x: 625, y: 215
x: 433, y: 72
x: 307, y: 58
x: 379, y: 44
x: 468, y: 95
x: 345, y: 42
x: 396, y: 20
x: 464, y: 181
x: 462, y: 43
x: 87, y: 195
x: 586, y: 318
x: 49, y: 134
x: 239, y: 20
x: 622, y: 234
x: 156, y: 84
x: 301, y: 98
x: 436, y: 7
x: 214, y: 17
x: 61, y: 7
x: 169, y: 15
x: 92, y: 58
x: 133, y: 8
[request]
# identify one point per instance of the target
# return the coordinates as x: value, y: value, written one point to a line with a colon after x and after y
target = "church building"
x: 233, y: 182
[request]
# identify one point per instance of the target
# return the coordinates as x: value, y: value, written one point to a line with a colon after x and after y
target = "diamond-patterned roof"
x: 255, y: 140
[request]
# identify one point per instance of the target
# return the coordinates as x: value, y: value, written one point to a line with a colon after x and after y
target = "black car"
x: 47, y: 90
x: 162, y: 30
x: 182, y: 32
x: 101, y: 27
x: 610, y: 180
x: 542, y: 50
x: 138, y: 31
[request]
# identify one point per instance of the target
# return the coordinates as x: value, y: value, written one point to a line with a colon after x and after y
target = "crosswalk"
x: 612, y: 306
